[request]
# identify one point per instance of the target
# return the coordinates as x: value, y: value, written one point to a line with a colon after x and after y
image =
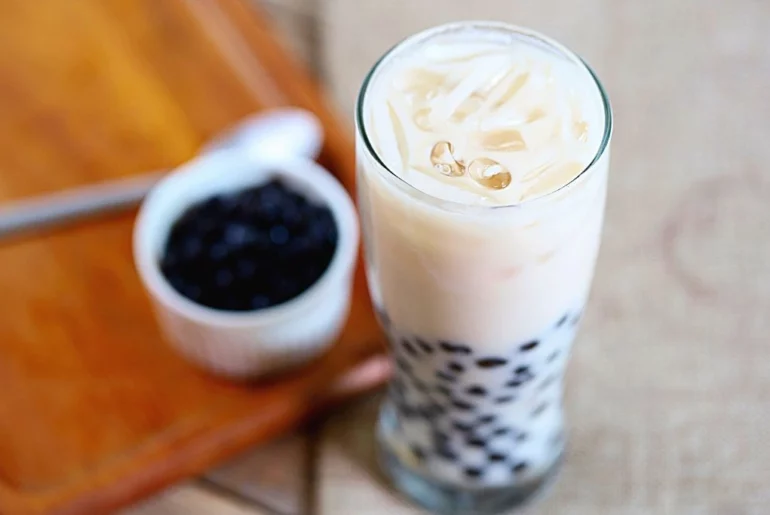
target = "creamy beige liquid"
x: 468, y: 121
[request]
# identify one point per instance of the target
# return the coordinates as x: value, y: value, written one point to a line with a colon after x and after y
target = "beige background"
x: 669, y: 391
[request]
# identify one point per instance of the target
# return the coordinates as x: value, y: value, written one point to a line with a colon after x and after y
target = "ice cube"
x: 443, y: 160
x: 502, y: 139
x: 489, y: 173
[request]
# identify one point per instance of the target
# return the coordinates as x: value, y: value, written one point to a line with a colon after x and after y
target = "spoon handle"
x: 72, y: 204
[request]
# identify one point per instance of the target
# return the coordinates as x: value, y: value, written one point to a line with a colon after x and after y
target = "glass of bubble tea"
x: 483, y: 152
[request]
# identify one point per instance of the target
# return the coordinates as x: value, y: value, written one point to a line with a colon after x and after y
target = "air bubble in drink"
x: 443, y: 160
x: 489, y: 173
x: 502, y: 139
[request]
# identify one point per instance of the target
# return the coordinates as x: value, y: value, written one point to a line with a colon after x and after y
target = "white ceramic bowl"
x: 247, y: 344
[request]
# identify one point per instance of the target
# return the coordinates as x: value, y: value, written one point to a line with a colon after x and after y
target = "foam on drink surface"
x: 479, y: 118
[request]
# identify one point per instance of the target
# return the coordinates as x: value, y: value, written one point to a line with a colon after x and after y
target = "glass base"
x: 447, y: 499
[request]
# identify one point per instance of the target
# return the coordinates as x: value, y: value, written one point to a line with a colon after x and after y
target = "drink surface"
x: 481, y: 117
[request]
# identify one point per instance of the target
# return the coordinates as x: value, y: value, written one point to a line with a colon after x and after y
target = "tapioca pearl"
x: 462, y: 426
x: 486, y: 419
x: 462, y: 405
x: 440, y: 374
x: 418, y: 453
x: 520, y: 467
x: 540, y: 409
x: 497, y: 457
x: 522, y: 437
x: 547, y: 382
x: 576, y: 318
x: 552, y: 356
x: 473, y: 472
x: 409, y: 347
x: 514, y: 383
x: 562, y: 320
x: 455, y: 348
x: 500, y: 431
x: 432, y: 411
x: 474, y: 440
x: 446, y: 452
x: 529, y: 346
x: 523, y: 373
x: 476, y: 390
x: 403, y: 366
x: 455, y: 367
x: 424, y: 346
x: 407, y: 411
x: 492, y: 362
x: 505, y: 399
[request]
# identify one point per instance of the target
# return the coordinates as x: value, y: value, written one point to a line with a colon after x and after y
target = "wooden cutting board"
x: 95, y: 409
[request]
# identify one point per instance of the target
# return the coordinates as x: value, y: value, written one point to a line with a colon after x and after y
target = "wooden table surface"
x: 669, y: 387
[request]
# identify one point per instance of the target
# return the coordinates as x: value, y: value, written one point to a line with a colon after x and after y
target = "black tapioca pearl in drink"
x: 424, y: 346
x: 475, y: 441
x: 486, y: 419
x: 562, y: 320
x: 491, y: 362
x: 461, y: 405
x: 548, y: 381
x: 454, y: 348
x: 462, y: 427
x: 539, y: 409
x: 408, y: 347
x: 455, y: 367
x: 418, y: 452
x: 476, y: 391
x: 501, y: 431
x: 445, y: 451
x: 519, y: 467
x: 403, y: 365
x: 526, y: 347
x: 514, y: 383
x: 473, y: 472
x: 552, y: 356
x: 505, y: 399
x: 440, y: 374
x: 522, y: 437
x: 439, y: 437
x: 433, y: 411
x: 406, y: 410
x: 497, y: 457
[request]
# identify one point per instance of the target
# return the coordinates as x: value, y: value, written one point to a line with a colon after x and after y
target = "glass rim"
x: 507, y: 27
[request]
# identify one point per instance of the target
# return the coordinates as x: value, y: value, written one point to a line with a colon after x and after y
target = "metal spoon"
x: 276, y: 133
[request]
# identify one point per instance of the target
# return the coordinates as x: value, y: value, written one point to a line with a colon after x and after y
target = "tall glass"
x: 480, y: 305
